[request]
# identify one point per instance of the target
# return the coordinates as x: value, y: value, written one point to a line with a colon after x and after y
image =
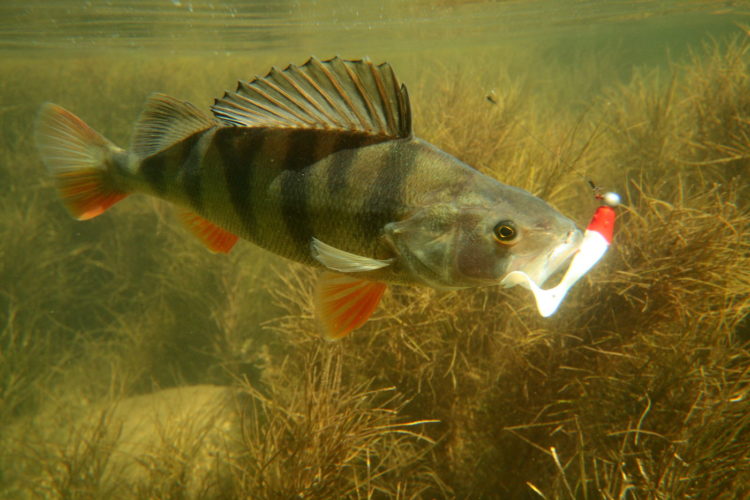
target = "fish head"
x: 478, y: 241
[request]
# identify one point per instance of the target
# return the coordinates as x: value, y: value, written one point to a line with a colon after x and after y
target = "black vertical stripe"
x: 191, y: 171
x: 300, y: 148
x: 294, y: 207
x: 154, y: 168
x: 387, y: 194
x: 347, y: 148
x: 238, y: 149
x: 338, y: 173
x: 295, y: 184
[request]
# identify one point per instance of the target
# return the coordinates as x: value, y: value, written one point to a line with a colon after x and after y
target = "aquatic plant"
x: 642, y: 363
x: 637, y: 387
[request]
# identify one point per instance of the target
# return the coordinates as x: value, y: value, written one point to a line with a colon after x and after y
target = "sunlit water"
x: 334, y: 26
x: 524, y: 37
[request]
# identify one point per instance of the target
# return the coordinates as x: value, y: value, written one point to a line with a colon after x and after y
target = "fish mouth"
x: 541, y: 267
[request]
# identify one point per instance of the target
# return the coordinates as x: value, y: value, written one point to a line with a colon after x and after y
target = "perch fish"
x: 317, y: 163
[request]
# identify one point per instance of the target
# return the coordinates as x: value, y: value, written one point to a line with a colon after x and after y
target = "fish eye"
x: 505, y: 231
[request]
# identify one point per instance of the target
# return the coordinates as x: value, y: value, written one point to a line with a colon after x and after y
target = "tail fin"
x: 79, y: 159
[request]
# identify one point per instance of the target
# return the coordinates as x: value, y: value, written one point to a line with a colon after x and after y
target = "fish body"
x: 317, y: 164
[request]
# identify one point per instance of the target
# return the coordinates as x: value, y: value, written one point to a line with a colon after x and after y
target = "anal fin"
x: 344, y: 303
x: 217, y: 240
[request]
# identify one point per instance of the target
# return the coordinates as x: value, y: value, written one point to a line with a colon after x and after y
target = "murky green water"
x: 442, y: 395
x: 641, y: 29
x: 522, y: 38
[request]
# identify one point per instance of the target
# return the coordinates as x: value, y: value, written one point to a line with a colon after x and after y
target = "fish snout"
x: 568, y: 248
x: 574, y: 238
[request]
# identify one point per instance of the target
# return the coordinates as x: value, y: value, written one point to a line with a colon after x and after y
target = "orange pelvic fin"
x: 79, y: 159
x: 217, y: 240
x: 344, y: 303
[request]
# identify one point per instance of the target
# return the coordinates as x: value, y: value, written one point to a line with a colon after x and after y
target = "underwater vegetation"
x: 135, y: 364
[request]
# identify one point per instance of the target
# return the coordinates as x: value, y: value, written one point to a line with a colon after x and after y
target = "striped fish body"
x: 280, y: 188
x: 317, y: 164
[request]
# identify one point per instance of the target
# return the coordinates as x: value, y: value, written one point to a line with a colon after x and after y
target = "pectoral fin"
x: 344, y: 303
x: 342, y: 261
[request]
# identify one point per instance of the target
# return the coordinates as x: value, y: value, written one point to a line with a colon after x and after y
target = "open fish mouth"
x: 561, y: 255
x: 542, y: 267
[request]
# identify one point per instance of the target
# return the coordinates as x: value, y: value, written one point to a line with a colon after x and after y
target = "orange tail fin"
x: 79, y: 159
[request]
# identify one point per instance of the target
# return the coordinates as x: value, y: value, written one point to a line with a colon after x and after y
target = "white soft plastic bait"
x: 595, y: 243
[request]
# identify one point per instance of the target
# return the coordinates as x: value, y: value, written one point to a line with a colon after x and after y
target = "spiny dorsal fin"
x: 334, y: 94
x: 165, y: 121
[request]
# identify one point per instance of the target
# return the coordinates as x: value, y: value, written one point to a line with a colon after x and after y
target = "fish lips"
x: 539, y: 268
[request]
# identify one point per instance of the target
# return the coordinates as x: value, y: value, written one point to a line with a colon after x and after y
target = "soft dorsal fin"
x: 334, y: 94
x: 165, y: 121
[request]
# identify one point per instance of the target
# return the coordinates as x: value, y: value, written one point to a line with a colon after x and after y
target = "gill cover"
x: 449, y: 247
x: 423, y: 243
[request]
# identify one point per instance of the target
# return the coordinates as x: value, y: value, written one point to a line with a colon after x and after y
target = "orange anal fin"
x: 215, y: 238
x: 344, y: 303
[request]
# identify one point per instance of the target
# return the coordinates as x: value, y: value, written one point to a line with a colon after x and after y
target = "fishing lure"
x: 595, y: 243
